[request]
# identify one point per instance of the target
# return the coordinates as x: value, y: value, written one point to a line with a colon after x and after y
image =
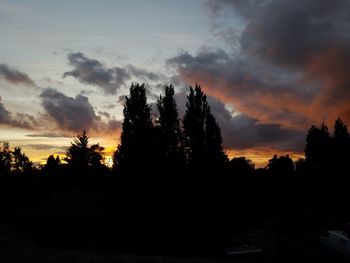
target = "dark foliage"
x: 281, y: 166
x: 170, y: 139
x: 241, y: 166
x: 80, y: 157
x: 181, y: 197
x: 134, y: 150
x: 203, y: 139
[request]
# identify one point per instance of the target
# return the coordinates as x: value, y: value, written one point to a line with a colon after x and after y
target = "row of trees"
x: 327, y: 153
x: 14, y: 161
x: 195, y: 142
x: 167, y: 143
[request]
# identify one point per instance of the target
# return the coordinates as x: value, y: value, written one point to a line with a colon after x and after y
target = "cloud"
x: 48, y: 135
x: 44, y: 147
x: 285, y: 63
x: 14, y: 76
x: 17, y: 120
x: 93, y: 72
x: 73, y: 113
x: 241, y: 132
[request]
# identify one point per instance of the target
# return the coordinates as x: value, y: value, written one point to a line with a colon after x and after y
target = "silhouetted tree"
x: 80, y: 156
x: 213, y: 140
x: 241, y: 166
x: 20, y: 162
x: 53, y: 165
x: 170, y: 139
x: 341, y: 146
x: 281, y: 166
x: 5, y: 159
x: 134, y: 150
x: 202, y: 134
x: 193, y: 123
x: 317, y: 149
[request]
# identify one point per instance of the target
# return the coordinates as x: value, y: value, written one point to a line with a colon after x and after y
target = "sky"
x: 270, y: 68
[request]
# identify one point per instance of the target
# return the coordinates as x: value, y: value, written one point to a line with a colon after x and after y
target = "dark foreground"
x: 180, y: 220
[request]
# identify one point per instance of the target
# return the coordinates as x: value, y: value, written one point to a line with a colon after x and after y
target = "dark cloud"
x: 94, y: 72
x: 73, y: 114
x: 287, y: 62
x: 17, y: 120
x: 241, y: 132
x: 14, y: 76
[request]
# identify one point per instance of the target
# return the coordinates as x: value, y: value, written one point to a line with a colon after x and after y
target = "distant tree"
x: 215, y: 150
x: 20, y: 162
x: 281, y: 166
x: 170, y: 138
x: 80, y: 156
x: 5, y: 159
x: 241, y: 166
x: 96, y: 156
x: 134, y: 150
x: 317, y: 149
x: 53, y: 165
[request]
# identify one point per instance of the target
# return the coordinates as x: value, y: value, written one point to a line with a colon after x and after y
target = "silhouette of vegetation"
x: 215, y: 150
x: 202, y: 134
x: 198, y: 212
x: 281, y: 166
x: 21, y: 162
x: 170, y: 139
x: 53, y: 165
x: 317, y: 149
x: 5, y: 159
x: 241, y: 166
x: 136, y: 137
x: 80, y: 156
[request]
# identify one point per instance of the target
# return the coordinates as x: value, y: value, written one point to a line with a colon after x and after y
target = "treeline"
x: 173, y: 190
x: 166, y: 144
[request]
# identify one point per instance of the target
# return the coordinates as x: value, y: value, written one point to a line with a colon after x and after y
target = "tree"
x: 317, y: 149
x: 53, y: 165
x: 341, y: 146
x: 170, y: 140
x: 213, y: 139
x: 242, y: 166
x: 5, y: 159
x: 134, y: 150
x: 80, y: 156
x: 281, y: 166
x: 193, y: 123
x: 203, y: 139
x: 20, y: 162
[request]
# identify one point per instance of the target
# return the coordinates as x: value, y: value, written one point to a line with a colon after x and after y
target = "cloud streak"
x: 14, y: 76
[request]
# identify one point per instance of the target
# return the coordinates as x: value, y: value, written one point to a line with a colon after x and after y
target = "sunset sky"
x: 270, y: 68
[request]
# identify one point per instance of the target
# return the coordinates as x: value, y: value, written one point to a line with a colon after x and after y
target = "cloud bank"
x: 286, y: 63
